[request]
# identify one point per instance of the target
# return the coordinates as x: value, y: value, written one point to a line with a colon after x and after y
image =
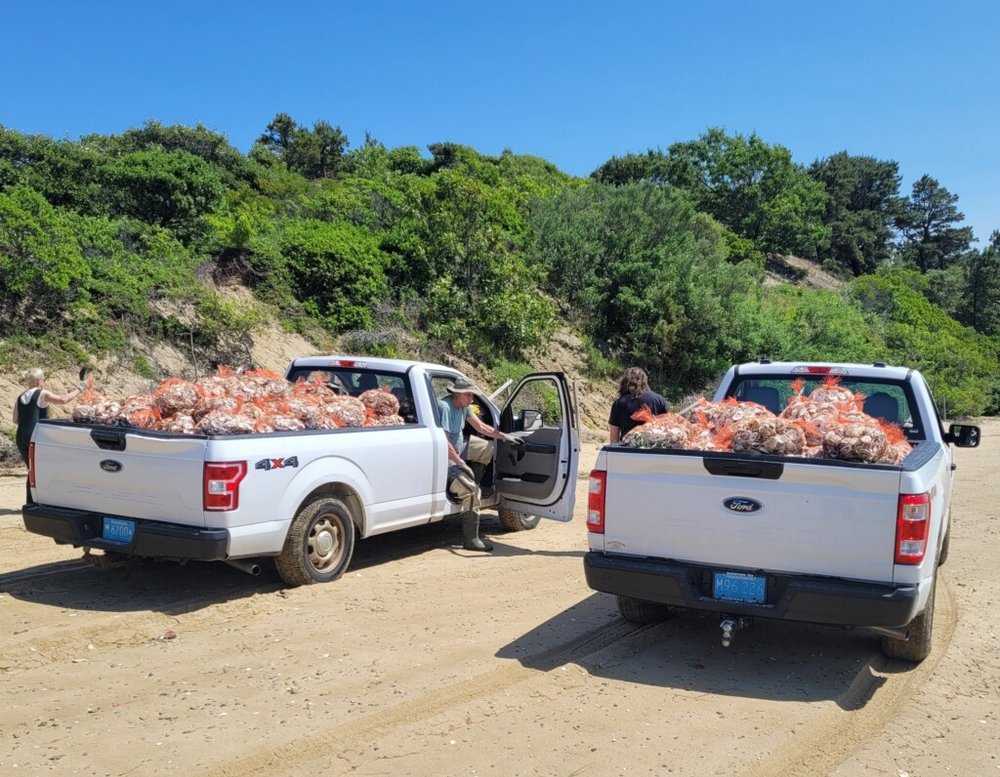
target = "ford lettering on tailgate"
x: 742, y: 504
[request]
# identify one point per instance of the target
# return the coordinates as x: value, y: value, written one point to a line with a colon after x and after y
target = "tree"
x: 862, y: 207
x: 315, y: 153
x: 172, y: 189
x: 929, y: 239
x: 42, y: 270
x: 750, y: 187
x: 981, y: 273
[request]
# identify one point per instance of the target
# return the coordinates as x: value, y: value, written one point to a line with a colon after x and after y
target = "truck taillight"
x: 31, y: 464
x: 595, y: 501
x: 222, y: 484
x: 913, y: 526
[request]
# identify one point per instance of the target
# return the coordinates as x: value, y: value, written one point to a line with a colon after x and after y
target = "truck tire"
x: 513, y: 521
x: 943, y: 555
x: 639, y: 611
x: 918, y: 646
x: 319, y: 544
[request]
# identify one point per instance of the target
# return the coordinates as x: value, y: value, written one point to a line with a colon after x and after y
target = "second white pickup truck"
x: 803, y: 539
x: 301, y: 497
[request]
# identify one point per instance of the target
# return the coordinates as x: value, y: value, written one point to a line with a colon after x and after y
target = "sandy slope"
x: 428, y: 660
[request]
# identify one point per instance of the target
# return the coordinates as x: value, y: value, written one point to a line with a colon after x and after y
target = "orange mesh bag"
x: 221, y: 422
x: 141, y: 411
x: 692, y: 411
x: 775, y: 436
x: 830, y: 390
x: 381, y: 400
x: 854, y: 441
x: 899, y: 448
x: 704, y: 437
x: 374, y: 419
x: 176, y: 395
x: 308, y: 412
x: 179, y: 424
x: 733, y: 411
x: 346, y: 411
x: 668, y: 430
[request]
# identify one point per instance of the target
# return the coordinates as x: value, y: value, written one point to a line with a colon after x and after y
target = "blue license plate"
x: 739, y: 587
x: 118, y: 530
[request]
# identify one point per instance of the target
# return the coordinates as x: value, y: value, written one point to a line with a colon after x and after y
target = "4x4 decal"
x: 291, y: 461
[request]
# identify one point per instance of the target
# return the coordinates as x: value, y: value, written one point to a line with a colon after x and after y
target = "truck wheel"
x: 639, y: 611
x: 319, y: 544
x: 918, y: 646
x: 943, y: 555
x: 512, y: 521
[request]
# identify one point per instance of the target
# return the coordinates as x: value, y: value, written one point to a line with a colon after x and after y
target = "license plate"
x: 117, y: 530
x: 738, y: 587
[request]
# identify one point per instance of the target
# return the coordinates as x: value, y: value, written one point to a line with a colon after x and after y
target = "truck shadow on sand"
x: 132, y: 585
x: 770, y: 660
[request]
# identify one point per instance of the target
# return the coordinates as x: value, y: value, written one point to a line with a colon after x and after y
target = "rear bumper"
x: 789, y: 597
x: 151, y: 539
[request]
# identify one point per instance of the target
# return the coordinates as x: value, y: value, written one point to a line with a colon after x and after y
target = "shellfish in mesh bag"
x: 854, y: 441
x: 221, y: 422
x: 285, y: 423
x: 347, y: 411
x: 142, y: 416
x: 216, y: 402
x: 384, y: 420
x: 728, y: 411
x: 179, y: 424
x: 813, y: 417
x: 104, y: 411
x: 176, y: 395
x: 777, y: 436
x: 667, y: 430
x: 899, y: 448
x: 830, y: 390
x: 309, y: 413
x: 707, y: 438
x: 381, y: 400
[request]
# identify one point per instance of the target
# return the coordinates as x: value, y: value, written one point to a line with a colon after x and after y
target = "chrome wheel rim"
x: 325, y: 544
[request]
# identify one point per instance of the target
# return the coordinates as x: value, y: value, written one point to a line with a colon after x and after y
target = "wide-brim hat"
x: 462, y: 385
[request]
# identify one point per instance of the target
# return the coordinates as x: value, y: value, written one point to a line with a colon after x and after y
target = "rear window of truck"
x: 892, y: 401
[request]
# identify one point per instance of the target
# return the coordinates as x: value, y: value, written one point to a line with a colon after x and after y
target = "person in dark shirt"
x: 633, y: 393
x: 32, y: 406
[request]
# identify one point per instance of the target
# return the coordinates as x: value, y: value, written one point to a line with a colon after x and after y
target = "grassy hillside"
x: 164, y: 250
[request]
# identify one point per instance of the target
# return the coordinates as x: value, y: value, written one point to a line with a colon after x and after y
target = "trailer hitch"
x: 729, y: 626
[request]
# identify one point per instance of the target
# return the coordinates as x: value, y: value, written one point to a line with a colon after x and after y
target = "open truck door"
x: 536, y: 477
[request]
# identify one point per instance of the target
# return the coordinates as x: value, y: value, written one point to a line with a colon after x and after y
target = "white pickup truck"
x: 301, y: 497
x: 802, y: 539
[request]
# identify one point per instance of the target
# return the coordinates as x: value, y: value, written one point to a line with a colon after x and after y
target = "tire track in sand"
x: 870, y: 702
x: 279, y: 760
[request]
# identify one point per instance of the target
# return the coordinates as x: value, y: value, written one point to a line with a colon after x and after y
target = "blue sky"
x: 573, y: 82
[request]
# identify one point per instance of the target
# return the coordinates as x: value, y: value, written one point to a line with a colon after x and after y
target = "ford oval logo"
x: 110, y: 465
x: 742, y: 504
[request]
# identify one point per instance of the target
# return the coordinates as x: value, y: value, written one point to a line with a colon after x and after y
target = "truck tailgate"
x: 155, y: 476
x: 831, y: 519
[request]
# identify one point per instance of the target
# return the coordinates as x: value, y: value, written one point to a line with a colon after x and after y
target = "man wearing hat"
x: 455, y: 411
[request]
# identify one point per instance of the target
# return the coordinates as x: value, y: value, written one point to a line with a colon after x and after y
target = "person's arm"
x: 60, y: 399
x: 486, y: 430
x: 614, y: 434
x: 14, y: 414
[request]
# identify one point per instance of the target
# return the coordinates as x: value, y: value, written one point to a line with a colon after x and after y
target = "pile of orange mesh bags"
x: 240, y: 403
x: 828, y: 423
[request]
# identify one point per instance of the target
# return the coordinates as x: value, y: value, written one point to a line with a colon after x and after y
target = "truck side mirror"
x: 531, y: 419
x: 963, y: 435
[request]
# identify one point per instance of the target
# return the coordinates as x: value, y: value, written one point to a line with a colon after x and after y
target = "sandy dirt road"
x: 429, y: 660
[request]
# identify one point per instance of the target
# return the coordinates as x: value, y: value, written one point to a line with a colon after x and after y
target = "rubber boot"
x: 479, y: 471
x: 470, y: 530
